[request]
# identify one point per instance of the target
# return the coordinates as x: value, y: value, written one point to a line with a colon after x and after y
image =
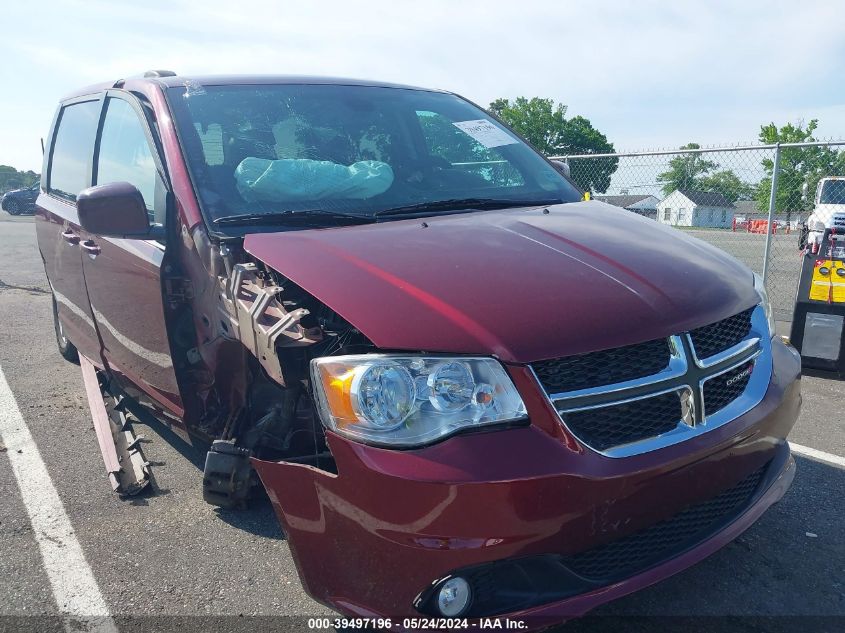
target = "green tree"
x: 544, y: 124
x: 728, y: 184
x: 11, y: 178
x: 686, y: 171
x: 693, y: 171
x: 798, y: 165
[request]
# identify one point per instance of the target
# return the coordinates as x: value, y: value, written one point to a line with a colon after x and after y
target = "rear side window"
x: 73, y: 148
x: 125, y: 156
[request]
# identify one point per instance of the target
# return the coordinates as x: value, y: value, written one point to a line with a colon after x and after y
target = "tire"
x: 13, y: 207
x: 66, y: 348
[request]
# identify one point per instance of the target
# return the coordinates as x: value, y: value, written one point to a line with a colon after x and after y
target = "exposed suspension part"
x: 264, y: 323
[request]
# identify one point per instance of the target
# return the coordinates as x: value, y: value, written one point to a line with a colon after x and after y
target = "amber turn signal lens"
x: 338, y: 390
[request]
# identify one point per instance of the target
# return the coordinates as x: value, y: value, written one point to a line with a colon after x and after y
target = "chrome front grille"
x: 719, y: 391
x: 585, y: 371
x: 718, y: 337
x: 605, y: 426
x: 702, y: 380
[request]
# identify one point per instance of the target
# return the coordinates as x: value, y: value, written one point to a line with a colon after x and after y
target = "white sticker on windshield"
x: 485, y: 132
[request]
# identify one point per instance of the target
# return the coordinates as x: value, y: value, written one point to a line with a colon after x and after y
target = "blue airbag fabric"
x: 301, y: 179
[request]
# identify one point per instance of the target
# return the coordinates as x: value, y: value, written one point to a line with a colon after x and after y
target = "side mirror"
x: 113, y: 210
x: 562, y: 167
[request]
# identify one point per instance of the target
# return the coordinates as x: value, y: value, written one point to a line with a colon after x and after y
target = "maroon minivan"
x: 466, y: 391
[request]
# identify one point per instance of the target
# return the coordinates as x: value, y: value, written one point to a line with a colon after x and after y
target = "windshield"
x: 833, y: 192
x: 268, y: 149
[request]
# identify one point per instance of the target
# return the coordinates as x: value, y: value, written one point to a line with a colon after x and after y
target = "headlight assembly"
x: 764, y: 301
x: 411, y: 400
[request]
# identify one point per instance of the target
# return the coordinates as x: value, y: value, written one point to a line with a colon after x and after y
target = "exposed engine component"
x: 227, y: 477
x: 274, y: 410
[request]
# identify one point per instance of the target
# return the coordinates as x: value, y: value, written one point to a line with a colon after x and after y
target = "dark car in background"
x: 467, y: 391
x: 21, y: 201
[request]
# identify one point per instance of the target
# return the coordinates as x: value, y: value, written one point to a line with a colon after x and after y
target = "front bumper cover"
x: 371, y: 538
x: 536, y: 587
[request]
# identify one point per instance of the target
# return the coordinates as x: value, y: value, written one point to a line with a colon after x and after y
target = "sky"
x: 649, y: 74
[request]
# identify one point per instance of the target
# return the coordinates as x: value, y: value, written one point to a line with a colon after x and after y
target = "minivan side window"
x: 72, y: 149
x: 125, y: 156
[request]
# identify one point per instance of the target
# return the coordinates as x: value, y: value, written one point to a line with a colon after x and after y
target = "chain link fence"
x: 752, y: 201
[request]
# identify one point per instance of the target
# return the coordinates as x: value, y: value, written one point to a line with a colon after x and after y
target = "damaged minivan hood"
x: 520, y: 284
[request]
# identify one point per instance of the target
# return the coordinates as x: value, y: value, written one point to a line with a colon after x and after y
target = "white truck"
x: 829, y: 211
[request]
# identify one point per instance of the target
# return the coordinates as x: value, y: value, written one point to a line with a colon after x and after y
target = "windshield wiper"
x: 315, y: 217
x: 457, y: 204
x: 319, y: 217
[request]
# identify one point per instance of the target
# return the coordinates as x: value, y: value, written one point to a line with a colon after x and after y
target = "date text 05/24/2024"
x: 416, y: 623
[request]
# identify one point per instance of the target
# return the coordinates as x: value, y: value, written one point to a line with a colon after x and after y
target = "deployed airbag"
x: 299, y: 179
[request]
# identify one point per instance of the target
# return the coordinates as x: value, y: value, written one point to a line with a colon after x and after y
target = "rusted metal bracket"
x: 128, y: 471
x: 100, y: 417
x: 263, y: 321
x: 134, y: 468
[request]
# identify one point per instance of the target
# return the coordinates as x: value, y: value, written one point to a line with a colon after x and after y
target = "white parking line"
x: 77, y: 595
x: 806, y: 451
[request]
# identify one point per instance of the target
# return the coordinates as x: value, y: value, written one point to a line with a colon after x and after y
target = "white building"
x: 684, y: 207
x: 641, y: 204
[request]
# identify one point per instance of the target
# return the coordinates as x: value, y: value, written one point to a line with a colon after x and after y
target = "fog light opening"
x: 453, y: 597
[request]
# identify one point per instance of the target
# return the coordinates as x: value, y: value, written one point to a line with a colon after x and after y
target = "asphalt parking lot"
x: 163, y: 560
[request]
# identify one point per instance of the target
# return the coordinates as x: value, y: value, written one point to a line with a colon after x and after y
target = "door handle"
x: 70, y: 237
x: 90, y: 247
